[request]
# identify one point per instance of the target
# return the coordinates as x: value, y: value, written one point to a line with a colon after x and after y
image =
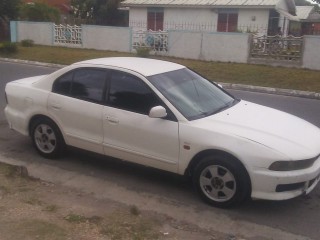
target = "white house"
x: 261, y: 16
x: 309, y: 22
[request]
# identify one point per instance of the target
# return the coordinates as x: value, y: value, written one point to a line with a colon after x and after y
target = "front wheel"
x: 47, y: 138
x: 221, y: 181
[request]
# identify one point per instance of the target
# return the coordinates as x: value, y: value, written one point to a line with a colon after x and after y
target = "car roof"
x: 144, y: 66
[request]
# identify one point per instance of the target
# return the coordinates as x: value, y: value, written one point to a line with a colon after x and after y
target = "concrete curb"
x: 234, y: 86
x: 277, y: 91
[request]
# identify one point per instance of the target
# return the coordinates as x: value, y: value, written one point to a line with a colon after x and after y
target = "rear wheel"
x: 221, y: 181
x: 47, y: 138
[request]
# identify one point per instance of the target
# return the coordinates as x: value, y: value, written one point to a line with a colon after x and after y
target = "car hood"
x: 280, y: 131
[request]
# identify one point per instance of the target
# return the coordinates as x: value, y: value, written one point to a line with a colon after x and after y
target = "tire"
x: 221, y: 181
x: 47, y: 138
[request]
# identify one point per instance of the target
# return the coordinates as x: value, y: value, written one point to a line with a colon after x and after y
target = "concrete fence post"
x: 14, y: 31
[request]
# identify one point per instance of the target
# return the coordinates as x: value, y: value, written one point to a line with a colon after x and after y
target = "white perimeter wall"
x: 106, y: 38
x: 311, y: 53
x: 225, y: 47
x: 40, y: 33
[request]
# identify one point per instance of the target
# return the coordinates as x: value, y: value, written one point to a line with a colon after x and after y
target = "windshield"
x: 194, y: 96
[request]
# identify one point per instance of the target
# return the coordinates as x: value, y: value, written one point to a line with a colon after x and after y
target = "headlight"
x: 292, y: 165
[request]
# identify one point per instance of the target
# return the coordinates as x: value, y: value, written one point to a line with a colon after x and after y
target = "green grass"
x: 258, y: 75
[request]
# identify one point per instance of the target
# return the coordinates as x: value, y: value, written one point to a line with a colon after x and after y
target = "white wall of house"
x: 190, y: 19
x: 253, y: 20
x: 138, y: 18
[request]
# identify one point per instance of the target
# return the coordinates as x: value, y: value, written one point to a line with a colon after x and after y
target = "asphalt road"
x: 299, y: 216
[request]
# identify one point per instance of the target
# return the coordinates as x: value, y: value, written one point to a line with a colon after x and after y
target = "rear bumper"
x: 16, y: 121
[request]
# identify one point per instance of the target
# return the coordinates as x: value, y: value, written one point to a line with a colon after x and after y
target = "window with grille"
x: 228, y: 21
x: 155, y: 19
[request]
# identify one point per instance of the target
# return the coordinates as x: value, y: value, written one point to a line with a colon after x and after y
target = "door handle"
x: 55, y: 106
x: 113, y: 120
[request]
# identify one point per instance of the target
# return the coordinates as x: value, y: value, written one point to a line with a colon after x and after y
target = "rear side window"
x: 63, y: 84
x: 86, y: 84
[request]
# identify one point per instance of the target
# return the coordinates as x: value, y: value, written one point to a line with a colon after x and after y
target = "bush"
x: 27, y: 43
x: 8, y: 47
x: 143, y: 51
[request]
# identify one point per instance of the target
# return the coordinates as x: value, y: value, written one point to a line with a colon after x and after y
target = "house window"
x: 228, y: 21
x: 273, y: 25
x: 155, y: 19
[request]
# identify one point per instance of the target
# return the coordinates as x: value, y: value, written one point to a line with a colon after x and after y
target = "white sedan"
x: 163, y: 115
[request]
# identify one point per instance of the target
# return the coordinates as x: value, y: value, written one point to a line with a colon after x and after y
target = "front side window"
x: 191, y: 94
x: 86, y: 84
x: 130, y: 93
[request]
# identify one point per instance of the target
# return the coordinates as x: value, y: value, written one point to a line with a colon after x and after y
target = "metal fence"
x: 277, y: 47
x: 201, y: 26
x: 67, y: 35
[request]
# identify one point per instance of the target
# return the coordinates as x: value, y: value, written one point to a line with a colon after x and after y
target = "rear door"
x: 76, y: 104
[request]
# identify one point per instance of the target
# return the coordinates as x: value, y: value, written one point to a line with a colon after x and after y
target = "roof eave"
x: 198, y: 6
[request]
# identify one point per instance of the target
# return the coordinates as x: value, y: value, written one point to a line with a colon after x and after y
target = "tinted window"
x: 88, y: 84
x: 130, y: 93
x: 63, y: 84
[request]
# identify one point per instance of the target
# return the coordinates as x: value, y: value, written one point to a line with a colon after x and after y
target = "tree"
x: 83, y: 9
x: 39, y: 12
x: 306, y: 2
x: 9, y: 9
x: 101, y: 12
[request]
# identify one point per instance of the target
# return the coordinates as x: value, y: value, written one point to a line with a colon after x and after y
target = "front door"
x: 129, y: 133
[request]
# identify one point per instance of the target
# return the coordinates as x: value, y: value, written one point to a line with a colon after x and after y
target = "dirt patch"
x: 34, y: 209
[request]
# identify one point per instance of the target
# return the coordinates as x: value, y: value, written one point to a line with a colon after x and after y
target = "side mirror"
x: 158, y: 112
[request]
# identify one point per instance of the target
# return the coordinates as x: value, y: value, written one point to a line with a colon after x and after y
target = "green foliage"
x: 314, y: 3
x: 83, y: 9
x: 27, y: 43
x: 305, y: 2
x: 39, y: 12
x: 143, y: 51
x: 100, y: 12
x: 75, y: 218
x: 8, y: 48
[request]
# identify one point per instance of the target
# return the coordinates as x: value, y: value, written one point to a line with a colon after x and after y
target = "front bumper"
x: 282, y: 185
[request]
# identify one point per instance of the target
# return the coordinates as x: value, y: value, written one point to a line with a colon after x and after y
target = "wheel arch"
x: 41, y: 116
x: 205, y: 153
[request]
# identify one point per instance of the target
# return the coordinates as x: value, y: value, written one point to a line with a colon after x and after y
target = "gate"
x: 67, y: 35
x: 156, y: 41
x: 277, y: 48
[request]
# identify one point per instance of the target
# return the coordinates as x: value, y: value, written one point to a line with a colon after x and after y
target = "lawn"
x: 258, y: 75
